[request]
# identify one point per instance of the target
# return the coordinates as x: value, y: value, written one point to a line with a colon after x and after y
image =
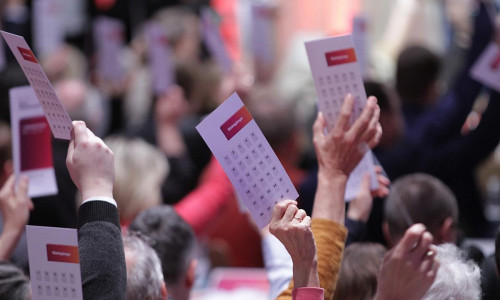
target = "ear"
x: 387, y: 235
x: 447, y: 232
x: 164, y: 294
x: 191, y: 273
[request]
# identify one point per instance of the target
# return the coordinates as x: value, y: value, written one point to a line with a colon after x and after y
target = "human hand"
x: 292, y: 227
x: 383, y: 184
x: 90, y: 163
x: 15, y: 205
x: 340, y: 150
x: 361, y: 206
x: 409, y: 269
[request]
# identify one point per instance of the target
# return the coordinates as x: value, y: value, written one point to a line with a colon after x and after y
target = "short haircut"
x: 140, y: 171
x: 417, y: 68
x: 359, y: 271
x: 14, y: 285
x: 171, y: 237
x: 425, y: 198
x: 457, y: 277
x: 144, y: 275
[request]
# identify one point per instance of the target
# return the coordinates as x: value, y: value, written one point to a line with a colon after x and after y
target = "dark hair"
x: 426, y: 199
x: 417, y: 68
x: 170, y: 236
x: 379, y: 91
x: 359, y: 271
x: 14, y: 285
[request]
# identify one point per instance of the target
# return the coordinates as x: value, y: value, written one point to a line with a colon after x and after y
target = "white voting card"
x: 213, y: 40
x: 160, y: 58
x: 54, y: 263
x: 487, y: 68
x: 109, y: 37
x: 31, y: 142
x: 336, y: 73
x: 262, y: 32
x: 48, y: 29
x: 56, y: 114
x: 253, y: 168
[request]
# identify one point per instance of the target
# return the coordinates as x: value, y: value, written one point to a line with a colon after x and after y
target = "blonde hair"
x: 140, y: 169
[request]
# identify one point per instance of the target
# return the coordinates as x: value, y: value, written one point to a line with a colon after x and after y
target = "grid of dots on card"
x: 57, y: 116
x: 54, y: 284
x: 247, y: 158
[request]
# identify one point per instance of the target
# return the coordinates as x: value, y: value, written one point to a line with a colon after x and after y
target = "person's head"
x: 391, y: 117
x: 144, y: 275
x: 140, y: 169
x: 425, y: 199
x: 6, y: 167
x: 457, y: 277
x: 358, y: 273
x: 417, y: 74
x: 174, y: 241
x: 14, y: 285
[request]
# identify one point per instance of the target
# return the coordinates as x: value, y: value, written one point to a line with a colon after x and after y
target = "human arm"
x: 102, y: 260
x: 409, y: 269
x: 15, y: 207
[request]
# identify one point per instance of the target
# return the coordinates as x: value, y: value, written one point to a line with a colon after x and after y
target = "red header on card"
x: 496, y: 62
x: 27, y: 54
x: 36, y: 144
x: 340, y: 57
x: 236, y: 122
x: 63, y: 253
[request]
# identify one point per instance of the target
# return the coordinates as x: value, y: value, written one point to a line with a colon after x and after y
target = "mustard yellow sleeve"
x: 330, y: 241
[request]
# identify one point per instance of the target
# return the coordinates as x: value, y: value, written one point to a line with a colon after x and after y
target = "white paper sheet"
x: 336, y: 73
x: 160, y: 58
x: 487, y: 68
x: 56, y: 114
x: 54, y: 263
x: 253, y: 168
x: 31, y: 142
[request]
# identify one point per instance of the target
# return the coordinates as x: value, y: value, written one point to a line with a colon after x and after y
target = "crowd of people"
x: 155, y: 212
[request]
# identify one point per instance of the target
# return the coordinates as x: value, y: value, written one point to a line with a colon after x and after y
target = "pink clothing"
x: 308, y: 293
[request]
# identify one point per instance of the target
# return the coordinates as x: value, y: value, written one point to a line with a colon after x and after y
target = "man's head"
x: 457, y: 277
x: 417, y: 74
x: 425, y: 199
x: 174, y: 242
x: 13, y: 283
x: 144, y: 276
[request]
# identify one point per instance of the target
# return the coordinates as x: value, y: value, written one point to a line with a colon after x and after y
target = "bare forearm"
x: 330, y: 186
x: 8, y: 241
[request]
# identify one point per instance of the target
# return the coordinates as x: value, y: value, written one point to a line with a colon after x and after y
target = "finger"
x: 345, y: 113
x: 319, y: 126
x: 81, y: 133
x: 361, y: 124
x: 365, y: 185
x: 300, y: 215
x: 291, y: 210
x: 22, y: 188
x: 71, y: 150
x: 306, y: 221
x: 371, y: 130
x: 9, y: 184
x: 422, y: 248
x: 411, y: 238
x: 431, y: 274
x: 376, y: 139
x: 279, y: 210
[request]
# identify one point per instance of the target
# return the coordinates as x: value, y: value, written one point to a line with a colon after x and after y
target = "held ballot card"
x: 109, y: 37
x: 56, y: 114
x: 336, y: 73
x: 54, y: 263
x: 31, y: 142
x: 160, y: 58
x: 213, y: 40
x: 247, y: 158
x: 487, y: 68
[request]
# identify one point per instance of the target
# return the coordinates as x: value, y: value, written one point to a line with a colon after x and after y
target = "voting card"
x: 487, y: 68
x: 253, y: 168
x: 213, y: 40
x: 336, y: 73
x: 54, y: 263
x: 160, y: 58
x: 48, y: 29
x: 109, y: 37
x: 56, y: 114
x: 359, y: 37
x: 31, y: 142
x: 263, y: 32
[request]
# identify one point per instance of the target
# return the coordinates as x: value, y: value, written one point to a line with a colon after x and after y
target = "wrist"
x: 104, y: 191
x: 305, y: 273
x: 329, y: 199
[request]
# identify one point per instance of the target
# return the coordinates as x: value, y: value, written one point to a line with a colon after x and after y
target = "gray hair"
x: 144, y: 274
x: 457, y: 277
